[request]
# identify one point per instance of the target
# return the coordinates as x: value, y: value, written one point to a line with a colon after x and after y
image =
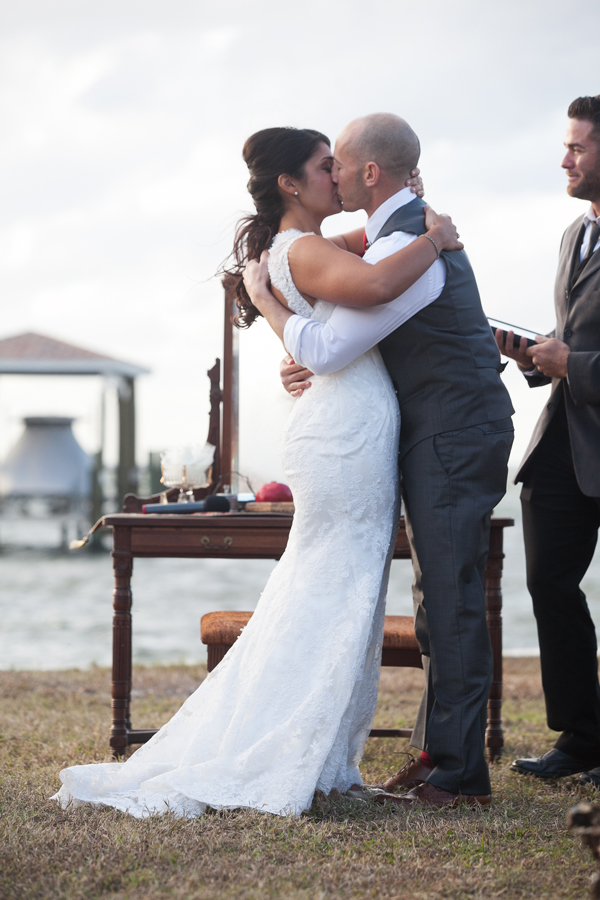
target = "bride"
x: 289, y: 708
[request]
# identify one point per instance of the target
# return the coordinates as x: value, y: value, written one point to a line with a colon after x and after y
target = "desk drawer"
x: 260, y: 543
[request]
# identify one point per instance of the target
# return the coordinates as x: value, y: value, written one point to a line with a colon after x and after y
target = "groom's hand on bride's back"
x: 294, y: 377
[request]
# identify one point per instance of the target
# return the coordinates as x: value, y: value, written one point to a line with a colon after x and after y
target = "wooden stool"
x: 220, y: 630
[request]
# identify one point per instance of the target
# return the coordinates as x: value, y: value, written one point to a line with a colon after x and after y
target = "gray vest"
x: 444, y: 361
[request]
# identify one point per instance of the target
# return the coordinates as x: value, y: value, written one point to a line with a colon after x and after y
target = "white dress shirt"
x: 349, y: 332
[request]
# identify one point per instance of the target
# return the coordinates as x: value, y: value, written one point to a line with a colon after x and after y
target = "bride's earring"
x: 296, y: 193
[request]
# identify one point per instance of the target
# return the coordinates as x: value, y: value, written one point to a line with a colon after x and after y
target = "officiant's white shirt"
x: 349, y: 332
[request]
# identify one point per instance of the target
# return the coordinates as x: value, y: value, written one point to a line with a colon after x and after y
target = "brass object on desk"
x: 206, y: 542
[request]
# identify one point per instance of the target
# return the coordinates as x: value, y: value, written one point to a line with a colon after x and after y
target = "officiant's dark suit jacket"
x: 578, y: 325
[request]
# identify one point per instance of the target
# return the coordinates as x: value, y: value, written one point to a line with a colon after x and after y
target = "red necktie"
x: 365, y: 243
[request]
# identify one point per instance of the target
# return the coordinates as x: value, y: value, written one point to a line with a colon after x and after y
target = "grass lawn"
x: 518, y: 847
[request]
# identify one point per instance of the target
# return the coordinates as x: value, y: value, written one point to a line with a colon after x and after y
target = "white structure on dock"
x: 47, y: 462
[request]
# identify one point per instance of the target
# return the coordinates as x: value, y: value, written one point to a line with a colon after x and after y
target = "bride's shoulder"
x: 287, y: 243
x: 286, y: 246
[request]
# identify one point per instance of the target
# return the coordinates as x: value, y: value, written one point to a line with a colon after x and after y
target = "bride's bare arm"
x: 321, y: 269
x: 352, y: 241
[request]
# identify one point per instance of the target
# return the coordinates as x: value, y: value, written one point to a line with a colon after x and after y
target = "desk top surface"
x: 222, y: 520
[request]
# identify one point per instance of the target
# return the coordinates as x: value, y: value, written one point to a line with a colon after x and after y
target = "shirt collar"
x: 376, y: 222
x: 589, y: 216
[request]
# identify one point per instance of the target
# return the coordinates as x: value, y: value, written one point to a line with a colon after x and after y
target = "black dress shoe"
x: 553, y: 764
x: 592, y: 777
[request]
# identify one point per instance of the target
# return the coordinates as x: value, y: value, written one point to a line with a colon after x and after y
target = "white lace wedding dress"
x: 289, y: 708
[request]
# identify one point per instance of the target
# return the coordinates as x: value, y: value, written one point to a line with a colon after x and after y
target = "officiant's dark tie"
x: 579, y: 267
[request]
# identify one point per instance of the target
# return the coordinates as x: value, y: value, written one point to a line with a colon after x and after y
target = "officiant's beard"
x: 588, y: 186
x: 586, y: 165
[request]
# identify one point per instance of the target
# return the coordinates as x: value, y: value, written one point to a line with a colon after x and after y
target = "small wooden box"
x: 284, y: 507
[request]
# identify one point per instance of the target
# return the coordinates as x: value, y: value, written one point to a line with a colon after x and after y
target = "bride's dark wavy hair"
x: 268, y: 154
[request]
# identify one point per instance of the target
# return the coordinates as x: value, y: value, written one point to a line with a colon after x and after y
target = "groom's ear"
x: 371, y: 174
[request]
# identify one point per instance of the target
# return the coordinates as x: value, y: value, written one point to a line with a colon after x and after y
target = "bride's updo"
x: 268, y: 154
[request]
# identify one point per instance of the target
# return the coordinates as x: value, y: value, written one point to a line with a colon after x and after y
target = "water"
x: 56, y: 609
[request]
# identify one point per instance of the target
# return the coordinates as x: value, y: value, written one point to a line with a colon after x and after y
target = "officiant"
x: 561, y: 472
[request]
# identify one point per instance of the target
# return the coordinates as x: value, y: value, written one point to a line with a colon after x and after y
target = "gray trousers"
x: 450, y: 485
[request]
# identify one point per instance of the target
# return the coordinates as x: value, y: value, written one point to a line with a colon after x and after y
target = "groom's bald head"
x: 382, y: 138
x: 374, y: 156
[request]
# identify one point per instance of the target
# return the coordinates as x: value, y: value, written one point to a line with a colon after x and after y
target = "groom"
x: 456, y: 435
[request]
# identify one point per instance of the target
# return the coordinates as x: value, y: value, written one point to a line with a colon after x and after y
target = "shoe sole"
x: 543, y: 777
x: 404, y: 786
x: 463, y: 800
x: 363, y: 795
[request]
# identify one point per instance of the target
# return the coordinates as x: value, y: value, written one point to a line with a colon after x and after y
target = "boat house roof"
x: 35, y: 354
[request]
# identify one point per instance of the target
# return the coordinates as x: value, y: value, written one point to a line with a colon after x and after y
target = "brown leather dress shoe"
x: 413, y: 773
x: 431, y: 795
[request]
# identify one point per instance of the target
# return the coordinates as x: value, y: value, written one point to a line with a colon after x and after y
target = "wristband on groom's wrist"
x: 437, y: 249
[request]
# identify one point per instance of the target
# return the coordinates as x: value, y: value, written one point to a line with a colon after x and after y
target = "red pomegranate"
x: 274, y: 493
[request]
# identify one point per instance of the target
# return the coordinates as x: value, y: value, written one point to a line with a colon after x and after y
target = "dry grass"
x: 517, y: 848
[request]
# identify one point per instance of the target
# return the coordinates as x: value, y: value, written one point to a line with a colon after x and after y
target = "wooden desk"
x: 247, y: 536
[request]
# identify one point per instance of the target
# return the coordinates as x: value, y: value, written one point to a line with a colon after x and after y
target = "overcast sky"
x: 121, y: 128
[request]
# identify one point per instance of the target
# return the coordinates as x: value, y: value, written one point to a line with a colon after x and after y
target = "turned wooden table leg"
x: 121, y: 663
x: 494, y: 739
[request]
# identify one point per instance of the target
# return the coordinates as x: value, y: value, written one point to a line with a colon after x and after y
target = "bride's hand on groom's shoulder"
x: 294, y: 377
x: 415, y: 182
x: 442, y: 229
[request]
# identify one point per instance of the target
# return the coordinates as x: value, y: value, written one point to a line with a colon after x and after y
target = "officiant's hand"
x: 415, y: 182
x: 520, y: 354
x: 550, y: 356
x: 294, y: 377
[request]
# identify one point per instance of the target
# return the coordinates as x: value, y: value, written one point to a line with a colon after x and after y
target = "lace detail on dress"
x: 279, y: 271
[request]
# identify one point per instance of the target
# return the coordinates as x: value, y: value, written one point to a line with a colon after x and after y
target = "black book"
x: 505, y: 327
